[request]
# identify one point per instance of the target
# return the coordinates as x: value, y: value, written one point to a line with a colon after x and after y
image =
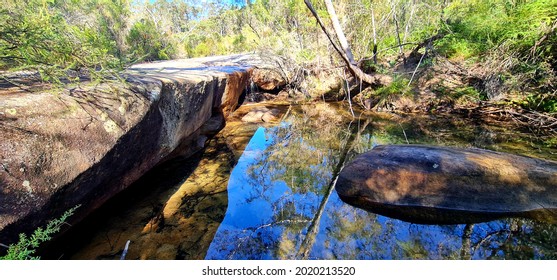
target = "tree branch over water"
x: 372, y: 79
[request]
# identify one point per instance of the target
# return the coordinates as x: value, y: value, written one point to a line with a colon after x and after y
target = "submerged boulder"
x: 261, y: 115
x: 442, y: 185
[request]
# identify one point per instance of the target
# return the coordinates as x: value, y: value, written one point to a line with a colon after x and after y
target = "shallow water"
x: 277, y: 201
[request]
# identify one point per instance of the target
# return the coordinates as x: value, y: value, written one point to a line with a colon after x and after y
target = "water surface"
x: 278, y: 201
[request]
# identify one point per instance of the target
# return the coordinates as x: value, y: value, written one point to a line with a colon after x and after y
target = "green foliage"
x: 541, y: 102
x: 516, y: 39
x: 476, y: 26
x: 462, y: 93
x: 26, y: 246
x: 54, y: 36
x: 513, y: 40
x: 457, y: 47
x: 149, y: 44
x: 470, y: 92
x: 399, y: 86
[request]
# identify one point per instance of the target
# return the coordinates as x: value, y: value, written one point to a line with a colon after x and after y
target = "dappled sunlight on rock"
x: 408, y: 179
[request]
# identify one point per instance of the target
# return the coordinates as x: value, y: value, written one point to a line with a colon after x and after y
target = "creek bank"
x: 83, y: 145
x: 442, y: 185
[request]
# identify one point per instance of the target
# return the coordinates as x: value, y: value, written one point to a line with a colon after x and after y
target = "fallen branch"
x: 375, y: 79
x: 426, y: 42
x: 538, y: 121
x: 552, y: 30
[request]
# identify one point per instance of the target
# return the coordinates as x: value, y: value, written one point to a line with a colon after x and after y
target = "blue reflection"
x: 270, y: 216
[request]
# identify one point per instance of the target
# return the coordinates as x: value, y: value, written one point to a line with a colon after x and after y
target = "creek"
x: 264, y: 191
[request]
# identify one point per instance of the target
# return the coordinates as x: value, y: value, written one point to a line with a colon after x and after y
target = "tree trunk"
x: 374, y: 79
x: 465, y: 249
x: 409, y: 21
x: 374, y: 35
x: 393, y: 7
x: 339, y: 32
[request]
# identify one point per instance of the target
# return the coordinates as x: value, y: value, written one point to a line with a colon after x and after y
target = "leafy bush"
x: 26, y: 246
x: 55, y: 36
x: 148, y: 43
x: 398, y: 86
x: 541, y: 102
x: 475, y: 26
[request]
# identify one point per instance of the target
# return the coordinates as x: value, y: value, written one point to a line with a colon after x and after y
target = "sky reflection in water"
x: 274, y: 212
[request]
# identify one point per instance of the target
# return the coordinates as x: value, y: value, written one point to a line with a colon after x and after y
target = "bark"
x: 398, y: 33
x: 407, y: 27
x: 426, y: 42
x: 374, y: 35
x: 339, y: 32
x: 372, y: 79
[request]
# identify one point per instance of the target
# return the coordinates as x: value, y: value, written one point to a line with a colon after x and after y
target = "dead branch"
x: 125, y: 252
x: 398, y: 33
x: 536, y: 121
x: 374, y: 35
x: 427, y: 42
x: 375, y: 79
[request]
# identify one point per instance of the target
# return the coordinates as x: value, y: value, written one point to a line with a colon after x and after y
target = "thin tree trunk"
x: 375, y: 79
x: 412, y: 10
x: 393, y: 8
x: 374, y: 35
x: 339, y: 32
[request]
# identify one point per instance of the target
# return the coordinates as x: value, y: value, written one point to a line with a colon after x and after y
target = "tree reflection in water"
x: 282, y: 205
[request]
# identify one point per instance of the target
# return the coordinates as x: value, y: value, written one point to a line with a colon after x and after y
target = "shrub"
x: 26, y: 246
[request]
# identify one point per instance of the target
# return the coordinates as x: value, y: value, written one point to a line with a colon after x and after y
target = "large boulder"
x: 442, y: 185
x: 80, y: 146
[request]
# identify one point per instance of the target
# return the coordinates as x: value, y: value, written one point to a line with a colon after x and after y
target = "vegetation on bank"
x: 505, y: 50
x: 25, y: 248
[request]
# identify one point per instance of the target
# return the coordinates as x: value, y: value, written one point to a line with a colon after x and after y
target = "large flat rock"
x: 442, y: 185
x: 62, y: 147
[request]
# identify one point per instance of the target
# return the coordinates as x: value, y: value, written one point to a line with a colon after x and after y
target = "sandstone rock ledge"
x: 442, y: 185
x: 62, y: 148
